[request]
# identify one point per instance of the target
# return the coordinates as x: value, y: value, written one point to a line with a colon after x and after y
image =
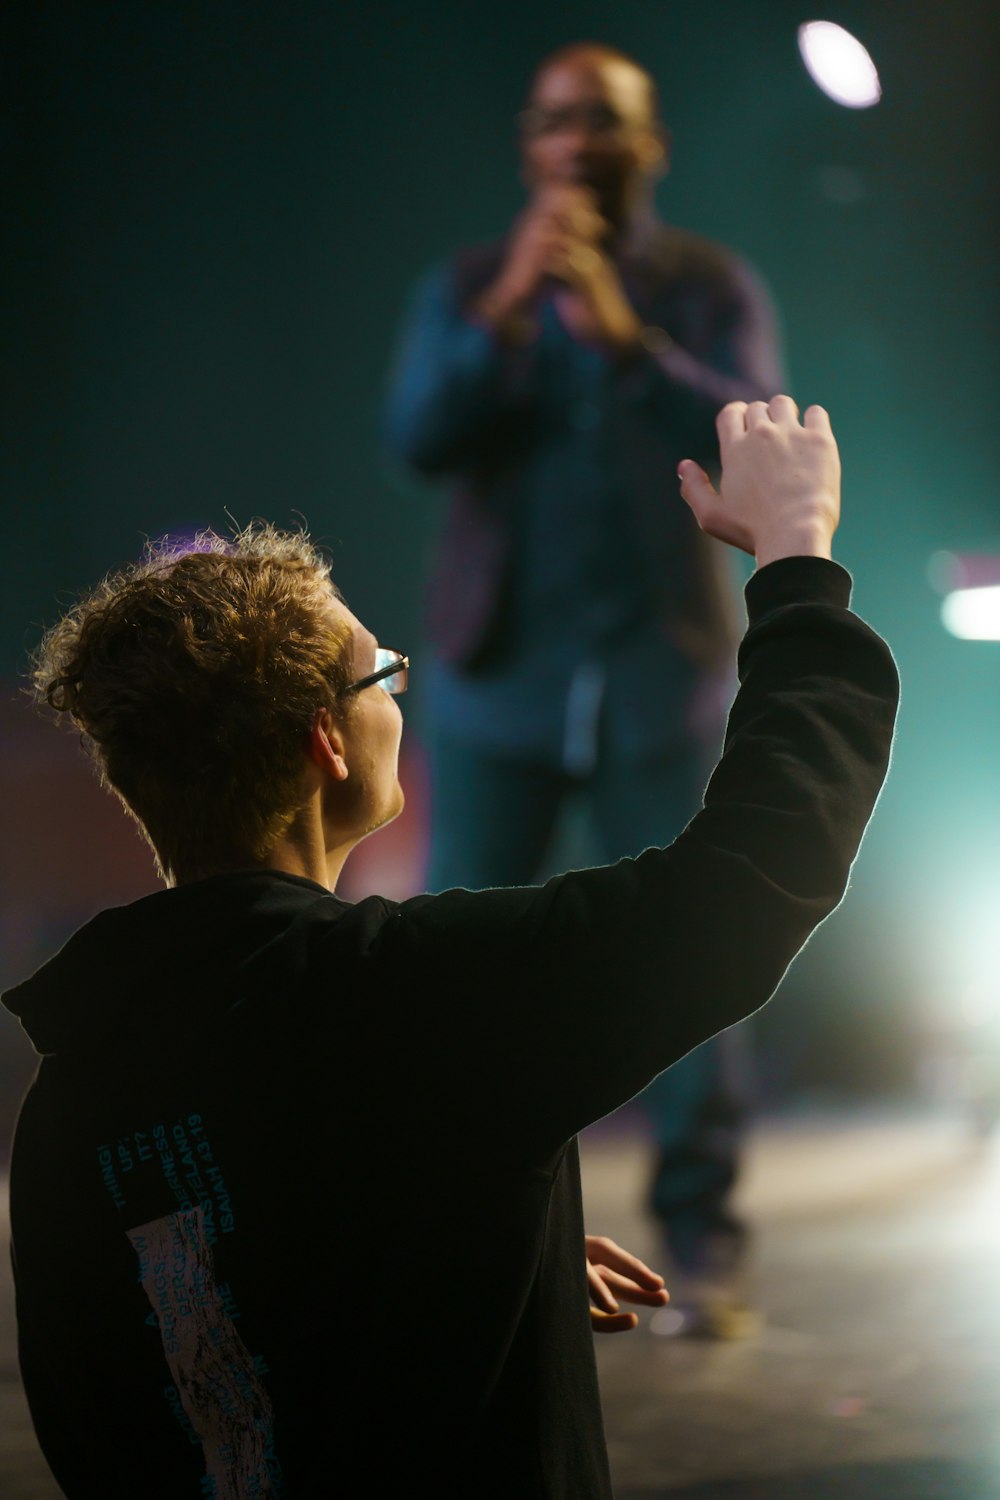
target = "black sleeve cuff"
x: 797, y: 580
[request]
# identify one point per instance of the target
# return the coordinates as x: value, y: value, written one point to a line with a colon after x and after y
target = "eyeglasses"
x: 596, y: 119
x: 392, y: 673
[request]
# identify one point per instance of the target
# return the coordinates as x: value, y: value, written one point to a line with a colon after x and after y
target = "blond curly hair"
x: 194, y: 676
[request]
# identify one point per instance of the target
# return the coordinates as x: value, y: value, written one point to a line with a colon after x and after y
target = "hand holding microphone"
x: 556, y: 237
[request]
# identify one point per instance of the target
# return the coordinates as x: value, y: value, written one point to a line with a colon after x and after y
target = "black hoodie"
x: 294, y: 1195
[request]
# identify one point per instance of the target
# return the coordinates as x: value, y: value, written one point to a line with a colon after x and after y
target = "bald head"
x: 630, y: 76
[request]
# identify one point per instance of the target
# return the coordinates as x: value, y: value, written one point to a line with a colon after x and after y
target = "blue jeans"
x: 492, y: 824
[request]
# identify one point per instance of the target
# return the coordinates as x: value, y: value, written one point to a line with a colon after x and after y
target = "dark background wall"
x: 217, y: 210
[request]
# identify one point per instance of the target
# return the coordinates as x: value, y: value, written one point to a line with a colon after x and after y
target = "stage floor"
x: 876, y: 1375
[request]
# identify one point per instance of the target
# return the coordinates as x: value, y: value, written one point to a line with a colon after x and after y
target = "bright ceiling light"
x: 839, y: 65
x: 973, y: 614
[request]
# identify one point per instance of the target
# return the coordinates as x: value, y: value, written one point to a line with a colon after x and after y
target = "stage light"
x: 839, y: 65
x: 973, y: 614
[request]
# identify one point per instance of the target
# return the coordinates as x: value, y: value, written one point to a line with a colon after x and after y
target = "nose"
x: 575, y: 148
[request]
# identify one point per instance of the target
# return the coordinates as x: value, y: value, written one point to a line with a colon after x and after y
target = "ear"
x: 326, y: 746
x: 655, y: 151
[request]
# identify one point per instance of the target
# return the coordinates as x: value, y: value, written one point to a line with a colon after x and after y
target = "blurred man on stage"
x: 583, y: 629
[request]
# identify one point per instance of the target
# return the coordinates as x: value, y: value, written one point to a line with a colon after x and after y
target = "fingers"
x: 582, y: 259
x: 731, y: 422
x: 699, y: 493
x: 780, y: 482
x: 818, y: 419
x: 585, y: 223
x: 611, y: 1269
x: 783, y: 411
x: 637, y: 1287
x: 604, y: 1252
x: 571, y: 259
x: 757, y: 415
x: 600, y: 1295
x: 739, y: 416
x: 642, y: 1298
x: 696, y: 487
x: 621, y: 1322
x: 613, y: 1272
x: 646, y: 1288
x: 617, y: 1263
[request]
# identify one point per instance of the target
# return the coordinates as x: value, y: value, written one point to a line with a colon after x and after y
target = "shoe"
x: 710, y: 1317
x: 709, y: 1299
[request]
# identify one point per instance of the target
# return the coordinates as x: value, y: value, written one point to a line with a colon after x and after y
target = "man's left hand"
x: 612, y: 1274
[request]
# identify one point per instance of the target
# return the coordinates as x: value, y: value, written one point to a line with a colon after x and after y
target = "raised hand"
x: 779, y: 495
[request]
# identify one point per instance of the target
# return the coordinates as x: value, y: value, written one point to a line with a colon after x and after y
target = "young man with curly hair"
x: 295, y: 1193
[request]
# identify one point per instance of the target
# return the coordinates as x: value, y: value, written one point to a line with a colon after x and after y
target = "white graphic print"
x: 217, y: 1379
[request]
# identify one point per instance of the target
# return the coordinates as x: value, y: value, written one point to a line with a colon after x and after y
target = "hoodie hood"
x: 195, y: 949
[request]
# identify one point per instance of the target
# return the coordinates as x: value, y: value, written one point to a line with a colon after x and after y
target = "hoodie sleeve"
x: 574, y: 995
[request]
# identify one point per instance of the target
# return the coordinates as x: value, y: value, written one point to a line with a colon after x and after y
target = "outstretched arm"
x: 605, y: 977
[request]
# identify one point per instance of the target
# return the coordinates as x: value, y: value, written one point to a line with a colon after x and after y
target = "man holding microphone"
x: 583, y: 629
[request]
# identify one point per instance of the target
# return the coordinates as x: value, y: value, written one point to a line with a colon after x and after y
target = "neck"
x: 308, y: 848
x: 288, y: 857
x: 303, y: 851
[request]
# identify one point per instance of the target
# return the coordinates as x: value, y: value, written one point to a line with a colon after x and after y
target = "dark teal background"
x: 217, y: 210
